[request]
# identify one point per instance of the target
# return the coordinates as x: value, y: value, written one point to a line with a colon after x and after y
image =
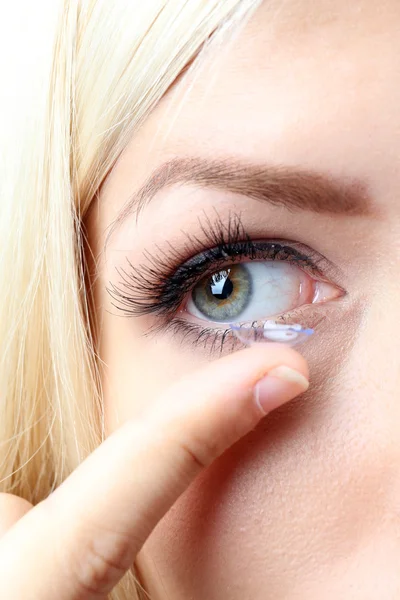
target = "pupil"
x: 221, y: 288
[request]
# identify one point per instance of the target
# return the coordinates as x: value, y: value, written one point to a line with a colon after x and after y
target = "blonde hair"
x: 78, y: 78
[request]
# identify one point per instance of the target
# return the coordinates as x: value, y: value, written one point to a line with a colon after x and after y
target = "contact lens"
x: 271, y: 332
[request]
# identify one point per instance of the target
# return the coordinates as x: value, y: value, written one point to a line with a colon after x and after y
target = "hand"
x: 79, y: 542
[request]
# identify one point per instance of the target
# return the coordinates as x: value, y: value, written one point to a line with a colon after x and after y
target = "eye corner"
x: 328, y: 292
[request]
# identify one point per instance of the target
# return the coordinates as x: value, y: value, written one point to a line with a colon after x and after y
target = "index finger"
x: 79, y: 542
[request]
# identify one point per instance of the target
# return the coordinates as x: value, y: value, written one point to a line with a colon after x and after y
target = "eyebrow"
x: 278, y: 185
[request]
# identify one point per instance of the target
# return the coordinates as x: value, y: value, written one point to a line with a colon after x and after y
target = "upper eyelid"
x: 313, y: 259
x: 234, y: 230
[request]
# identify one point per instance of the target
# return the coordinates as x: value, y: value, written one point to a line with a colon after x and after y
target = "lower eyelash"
x: 217, y: 340
x: 209, y: 338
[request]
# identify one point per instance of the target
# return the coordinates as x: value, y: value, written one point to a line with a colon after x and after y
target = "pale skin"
x: 78, y: 542
x: 303, y: 504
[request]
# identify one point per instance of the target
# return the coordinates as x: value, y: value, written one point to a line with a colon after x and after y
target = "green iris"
x: 224, y: 295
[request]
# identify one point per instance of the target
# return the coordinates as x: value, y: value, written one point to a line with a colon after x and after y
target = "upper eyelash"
x: 159, y: 286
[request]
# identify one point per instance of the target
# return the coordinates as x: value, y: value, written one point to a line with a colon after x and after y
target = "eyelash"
x: 159, y: 286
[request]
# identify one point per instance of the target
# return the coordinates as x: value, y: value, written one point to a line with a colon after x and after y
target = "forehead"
x: 314, y: 83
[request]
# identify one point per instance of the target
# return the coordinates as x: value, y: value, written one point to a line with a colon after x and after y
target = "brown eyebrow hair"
x: 279, y: 185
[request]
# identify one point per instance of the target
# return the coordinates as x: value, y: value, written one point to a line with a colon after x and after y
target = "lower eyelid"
x: 218, y: 338
x: 308, y: 315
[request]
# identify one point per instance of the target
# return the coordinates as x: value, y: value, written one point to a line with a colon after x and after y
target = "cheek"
x: 290, y: 497
x: 137, y: 369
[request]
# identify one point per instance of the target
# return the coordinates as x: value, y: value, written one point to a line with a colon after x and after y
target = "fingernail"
x: 280, y: 385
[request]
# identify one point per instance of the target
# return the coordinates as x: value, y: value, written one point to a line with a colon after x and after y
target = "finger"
x: 79, y: 542
x: 12, y: 508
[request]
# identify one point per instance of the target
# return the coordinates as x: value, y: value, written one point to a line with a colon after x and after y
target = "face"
x: 287, y: 210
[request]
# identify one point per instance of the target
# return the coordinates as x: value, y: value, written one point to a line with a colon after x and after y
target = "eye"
x: 255, y: 290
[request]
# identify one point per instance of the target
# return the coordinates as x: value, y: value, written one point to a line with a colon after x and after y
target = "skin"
x: 146, y: 464
x: 305, y: 506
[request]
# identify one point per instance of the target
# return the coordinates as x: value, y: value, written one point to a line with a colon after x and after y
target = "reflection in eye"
x: 255, y: 290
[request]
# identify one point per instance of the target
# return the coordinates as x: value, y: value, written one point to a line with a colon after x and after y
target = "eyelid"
x: 320, y: 267
x: 315, y: 264
x: 211, y: 339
